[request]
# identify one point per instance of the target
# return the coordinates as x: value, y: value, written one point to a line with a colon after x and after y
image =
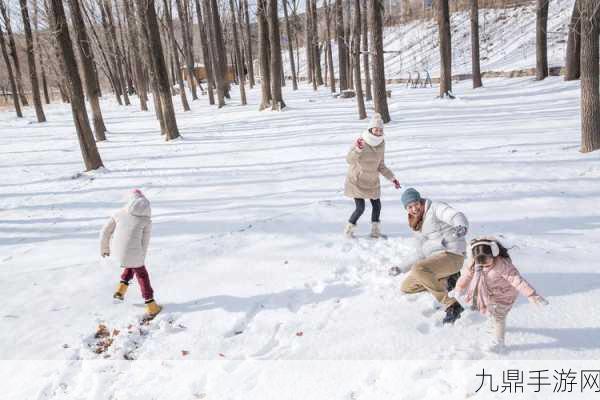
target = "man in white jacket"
x: 440, y: 231
x: 127, y: 233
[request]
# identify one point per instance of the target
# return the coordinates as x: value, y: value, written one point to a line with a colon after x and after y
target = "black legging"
x: 360, y: 209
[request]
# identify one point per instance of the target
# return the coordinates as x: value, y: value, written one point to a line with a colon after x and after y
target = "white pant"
x: 497, y: 319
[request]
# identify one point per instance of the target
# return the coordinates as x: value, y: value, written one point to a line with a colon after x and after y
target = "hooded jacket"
x: 127, y: 233
x: 437, y: 233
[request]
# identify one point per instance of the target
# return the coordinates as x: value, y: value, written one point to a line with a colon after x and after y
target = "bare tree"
x: 87, y: 65
x: 445, y: 49
x: 13, y: 52
x: 475, y: 59
x: 573, y: 66
x: 177, y: 66
x: 35, y: 87
x: 360, y: 100
x: 40, y: 53
x: 11, y: 77
x: 218, y: 51
x: 379, y: 90
x: 365, y: 50
x: 329, y: 55
x: 541, y: 40
x: 187, y: 47
x: 276, y: 64
x: 206, y: 56
x: 263, y: 54
x: 341, y: 42
x: 315, y: 42
x: 590, y: 81
x: 308, y: 40
x: 288, y: 31
x: 160, y: 68
x: 238, y: 53
x: 89, y: 151
x: 134, y: 42
x: 249, y: 56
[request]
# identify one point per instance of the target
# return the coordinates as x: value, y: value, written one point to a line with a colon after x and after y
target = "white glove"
x: 538, y: 300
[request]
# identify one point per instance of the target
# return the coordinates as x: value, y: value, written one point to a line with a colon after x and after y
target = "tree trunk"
x: 177, y: 66
x: 290, y: 46
x: 187, y: 48
x: 87, y: 64
x: 541, y: 42
x: 310, y: 62
x: 263, y: 54
x: 445, y: 49
x: 219, y: 56
x: 140, y: 80
x: 379, y: 90
x: 238, y: 53
x: 315, y: 43
x: 35, y: 87
x: 328, y: 17
x: 475, y: 59
x: 573, y: 66
x: 206, y: 56
x: 362, y: 113
x: 13, y: 53
x: 275, y: 46
x: 365, y: 49
x: 89, y: 151
x: 249, y: 45
x: 11, y: 77
x: 118, y: 53
x: 38, y: 48
x: 341, y: 42
x: 590, y: 82
x: 160, y: 68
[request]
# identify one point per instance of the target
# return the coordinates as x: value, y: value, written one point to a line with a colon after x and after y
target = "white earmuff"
x: 492, y: 243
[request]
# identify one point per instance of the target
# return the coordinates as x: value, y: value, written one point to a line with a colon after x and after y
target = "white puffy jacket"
x: 437, y: 232
x: 127, y: 234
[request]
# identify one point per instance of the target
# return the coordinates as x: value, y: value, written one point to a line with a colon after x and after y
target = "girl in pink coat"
x: 491, y: 283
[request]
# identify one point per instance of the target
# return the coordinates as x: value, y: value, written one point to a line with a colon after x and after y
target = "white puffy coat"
x: 437, y: 233
x: 127, y: 233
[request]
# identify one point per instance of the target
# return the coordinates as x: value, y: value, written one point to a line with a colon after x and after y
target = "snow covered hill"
x: 263, y: 296
x: 507, y: 40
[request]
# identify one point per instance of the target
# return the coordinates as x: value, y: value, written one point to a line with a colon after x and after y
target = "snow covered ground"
x: 263, y: 296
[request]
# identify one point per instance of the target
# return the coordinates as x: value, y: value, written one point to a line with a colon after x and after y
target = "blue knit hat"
x: 410, y: 195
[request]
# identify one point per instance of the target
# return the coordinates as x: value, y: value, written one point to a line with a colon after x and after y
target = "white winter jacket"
x: 437, y: 232
x: 127, y: 233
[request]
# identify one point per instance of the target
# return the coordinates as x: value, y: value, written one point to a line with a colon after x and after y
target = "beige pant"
x: 431, y: 274
x: 497, y: 318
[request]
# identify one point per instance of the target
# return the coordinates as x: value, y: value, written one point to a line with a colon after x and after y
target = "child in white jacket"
x: 127, y: 234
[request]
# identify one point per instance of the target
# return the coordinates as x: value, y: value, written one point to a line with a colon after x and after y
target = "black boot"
x: 452, y: 279
x: 453, y: 313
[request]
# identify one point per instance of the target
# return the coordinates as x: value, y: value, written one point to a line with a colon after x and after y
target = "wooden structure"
x: 200, y: 72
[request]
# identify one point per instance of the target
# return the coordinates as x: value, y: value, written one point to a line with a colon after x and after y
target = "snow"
x: 248, y: 257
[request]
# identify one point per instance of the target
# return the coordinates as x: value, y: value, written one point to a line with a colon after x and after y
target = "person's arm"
x: 355, y: 151
x: 452, y: 217
x: 512, y: 276
x: 385, y: 171
x: 105, y: 236
x: 146, y: 237
x: 466, y: 275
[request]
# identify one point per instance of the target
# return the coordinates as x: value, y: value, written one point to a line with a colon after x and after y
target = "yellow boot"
x: 152, y: 308
x: 121, y: 290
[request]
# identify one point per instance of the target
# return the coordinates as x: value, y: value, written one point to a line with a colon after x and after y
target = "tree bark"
x: 40, y: 54
x: 360, y: 101
x: 475, y: 58
x: 445, y: 49
x: 310, y: 62
x: 87, y: 64
x: 35, y: 87
x: 379, y: 89
x: 290, y: 46
x: 275, y: 45
x: 187, y: 48
x: 118, y: 54
x: 13, y: 53
x: 541, y: 42
x: 341, y: 42
x: 238, y: 53
x: 329, y: 53
x: 206, y: 56
x: 249, y: 45
x: 139, y: 76
x: 263, y: 50
x: 315, y: 43
x: 219, y: 55
x: 590, y: 82
x: 365, y: 49
x: 160, y: 68
x: 573, y: 66
x: 177, y: 66
x: 89, y: 151
x: 11, y: 77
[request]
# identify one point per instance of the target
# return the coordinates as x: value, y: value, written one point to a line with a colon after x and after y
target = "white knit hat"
x: 376, y: 121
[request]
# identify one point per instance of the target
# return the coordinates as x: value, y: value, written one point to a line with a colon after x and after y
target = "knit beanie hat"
x: 410, y: 195
x: 376, y: 121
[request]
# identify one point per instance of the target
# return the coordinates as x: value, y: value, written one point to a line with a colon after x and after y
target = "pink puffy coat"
x: 499, y: 283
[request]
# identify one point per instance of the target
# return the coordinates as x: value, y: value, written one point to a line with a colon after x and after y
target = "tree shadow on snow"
x: 587, y: 338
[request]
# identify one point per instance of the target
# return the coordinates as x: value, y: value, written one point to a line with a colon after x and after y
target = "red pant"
x: 143, y: 279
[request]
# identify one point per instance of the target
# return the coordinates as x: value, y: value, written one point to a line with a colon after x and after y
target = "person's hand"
x: 538, y: 300
x: 105, y: 254
x: 360, y: 143
x: 396, y: 183
x: 459, y: 231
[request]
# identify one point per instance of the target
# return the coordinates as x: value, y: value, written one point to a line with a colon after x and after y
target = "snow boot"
x: 375, y: 230
x: 349, y: 230
x: 121, y: 290
x: 453, y: 313
x: 152, y: 308
x: 452, y: 279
